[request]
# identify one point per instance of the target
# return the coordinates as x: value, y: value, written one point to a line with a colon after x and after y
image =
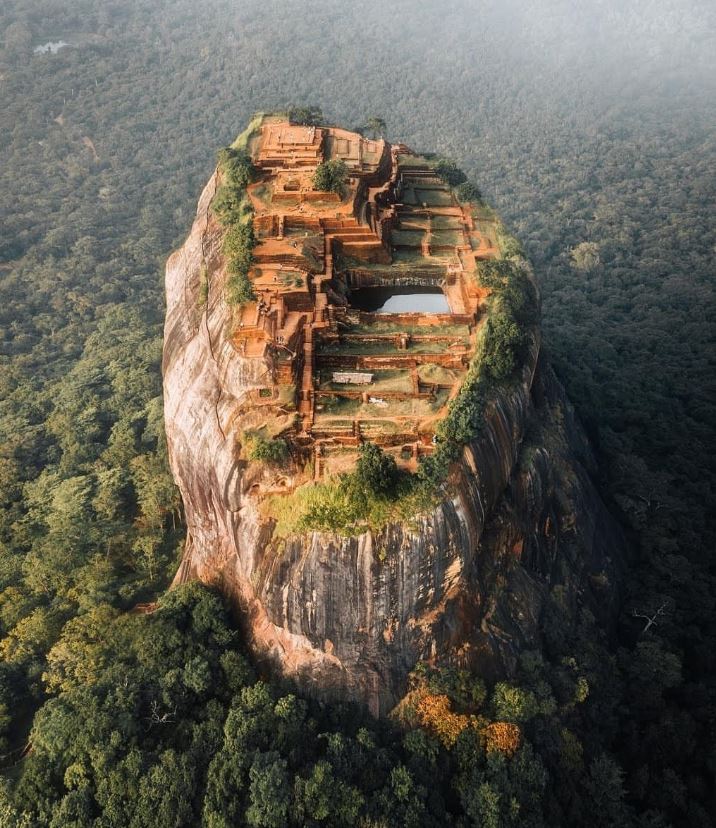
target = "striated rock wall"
x: 350, y: 617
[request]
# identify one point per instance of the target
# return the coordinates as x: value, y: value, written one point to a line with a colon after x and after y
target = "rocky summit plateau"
x: 377, y: 465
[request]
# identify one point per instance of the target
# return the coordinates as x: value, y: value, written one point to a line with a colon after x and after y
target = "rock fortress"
x: 380, y: 303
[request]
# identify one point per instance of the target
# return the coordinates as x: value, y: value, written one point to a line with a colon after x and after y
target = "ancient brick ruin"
x: 350, y: 373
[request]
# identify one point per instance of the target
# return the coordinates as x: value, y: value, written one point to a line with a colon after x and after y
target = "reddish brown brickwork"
x: 396, y: 225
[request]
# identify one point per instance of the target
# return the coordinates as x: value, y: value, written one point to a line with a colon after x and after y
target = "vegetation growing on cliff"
x: 374, y: 494
x: 467, y: 191
x: 450, y: 173
x: 499, y: 354
x: 265, y: 449
x: 233, y: 209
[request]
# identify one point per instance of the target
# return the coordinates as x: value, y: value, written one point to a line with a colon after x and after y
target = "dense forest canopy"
x: 590, y: 127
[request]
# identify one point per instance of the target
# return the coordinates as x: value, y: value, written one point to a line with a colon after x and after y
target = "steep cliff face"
x: 351, y: 616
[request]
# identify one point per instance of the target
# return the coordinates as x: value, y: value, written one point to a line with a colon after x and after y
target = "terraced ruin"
x: 367, y: 303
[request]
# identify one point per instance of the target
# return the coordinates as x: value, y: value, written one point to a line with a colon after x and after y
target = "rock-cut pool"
x: 400, y: 300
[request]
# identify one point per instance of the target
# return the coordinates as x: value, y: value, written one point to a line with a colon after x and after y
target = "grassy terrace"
x: 438, y: 374
x: 248, y: 138
x: 355, y: 409
x: 434, y: 198
x: 409, y: 160
x: 486, y: 227
x: 414, y: 238
x: 385, y: 347
x: 388, y: 380
x: 410, y: 258
x: 331, y: 422
x: 292, y: 513
x: 396, y: 327
x: 451, y: 237
x: 403, y: 261
x: 446, y: 223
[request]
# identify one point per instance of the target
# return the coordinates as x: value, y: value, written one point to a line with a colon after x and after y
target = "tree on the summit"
x: 450, y: 172
x: 376, y: 470
x: 305, y: 115
x: 376, y: 125
x: 330, y: 176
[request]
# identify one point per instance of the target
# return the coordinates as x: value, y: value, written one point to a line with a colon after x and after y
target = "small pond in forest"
x: 400, y: 300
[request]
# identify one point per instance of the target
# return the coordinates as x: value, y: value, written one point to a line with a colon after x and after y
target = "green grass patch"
x: 446, y: 223
x: 243, y: 140
x: 342, y: 406
x: 291, y: 278
x: 408, y: 258
x: 265, y: 449
x: 386, y: 348
x: 403, y: 260
x: 409, y: 196
x: 333, y: 505
x: 486, y: 228
x: 449, y: 237
x: 371, y: 414
x: 264, y: 193
x: 287, y: 396
x: 437, y: 373
x: 410, y: 160
x: 375, y: 427
x: 414, y: 238
x: 380, y: 327
x: 434, y: 198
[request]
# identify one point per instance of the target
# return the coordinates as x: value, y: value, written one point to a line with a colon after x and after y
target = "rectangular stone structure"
x: 352, y: 377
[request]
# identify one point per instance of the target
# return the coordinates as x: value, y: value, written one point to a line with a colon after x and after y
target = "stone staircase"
x: 354, y: 239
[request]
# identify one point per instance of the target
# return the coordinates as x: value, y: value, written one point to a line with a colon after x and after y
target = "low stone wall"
x: 422, y: 319
x: 293, y: 197
x: 443, y: 248
x: 398, y: 337
x: 366, y: 247
x: 293, y: 222
x: 375, y: 361
x: 296, y: 261
x: 425, y: 277
x: 266, y: 225
x: 389, y: 338
x: 376, y: 392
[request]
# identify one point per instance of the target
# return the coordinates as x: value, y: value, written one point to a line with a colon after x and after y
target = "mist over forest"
x: 590, y: 126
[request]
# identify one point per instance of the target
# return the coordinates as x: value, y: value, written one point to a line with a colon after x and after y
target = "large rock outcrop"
x: 351, y: 616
